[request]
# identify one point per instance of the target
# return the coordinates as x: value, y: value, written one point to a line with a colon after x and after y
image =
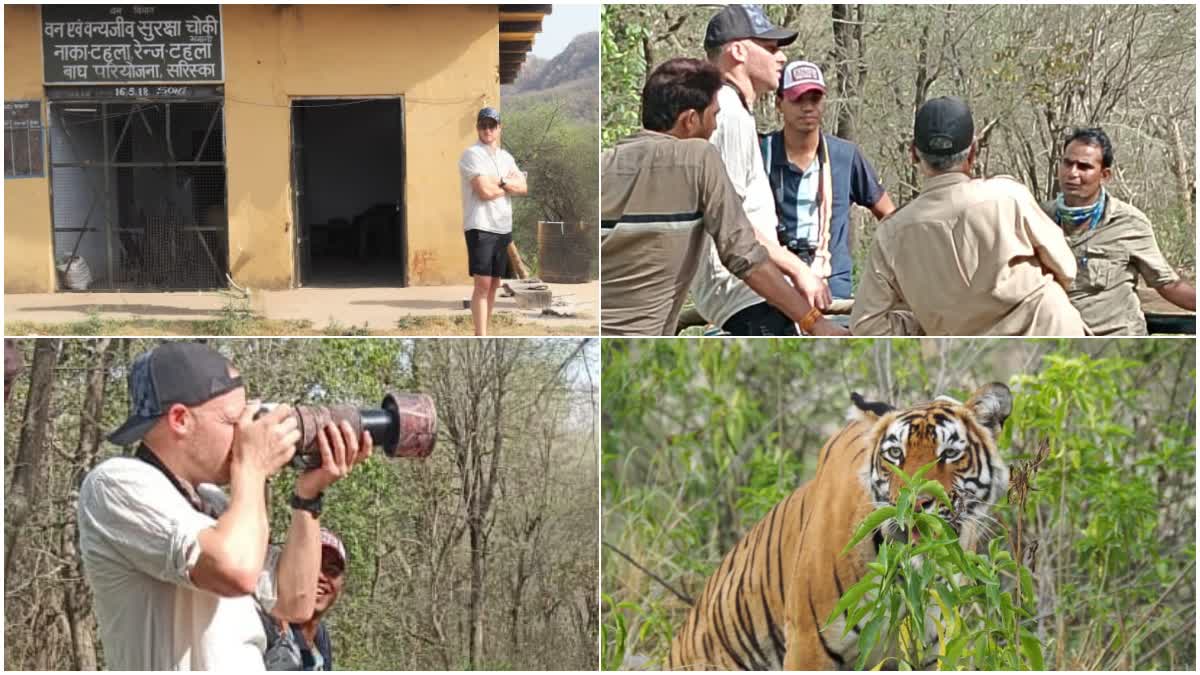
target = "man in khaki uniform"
x: 967, y: 256
x: 1113, y: 242
x: 664, y: 195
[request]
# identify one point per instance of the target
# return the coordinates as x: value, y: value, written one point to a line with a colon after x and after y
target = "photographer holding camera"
x: 175, y: 583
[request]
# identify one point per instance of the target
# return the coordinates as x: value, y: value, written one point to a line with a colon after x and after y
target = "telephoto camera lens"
x: 404, y: 425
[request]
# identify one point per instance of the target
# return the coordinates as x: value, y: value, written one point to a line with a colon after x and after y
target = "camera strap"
x: 147, y: 455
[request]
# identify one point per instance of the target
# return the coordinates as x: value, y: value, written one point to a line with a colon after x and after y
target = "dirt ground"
x: 426, y: 310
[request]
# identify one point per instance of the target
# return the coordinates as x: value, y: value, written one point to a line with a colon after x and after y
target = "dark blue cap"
x: 488, y: 113
x: 189, y: 373
x: 738, y: 22
x: 943, y: 126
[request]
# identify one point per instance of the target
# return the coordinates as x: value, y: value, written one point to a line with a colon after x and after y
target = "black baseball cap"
x: 944, y: 126
x: 175, y: 372
x: 738, y: 22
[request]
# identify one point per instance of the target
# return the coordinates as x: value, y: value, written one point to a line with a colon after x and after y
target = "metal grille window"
x: 23, y: 139
x: 138, y: 192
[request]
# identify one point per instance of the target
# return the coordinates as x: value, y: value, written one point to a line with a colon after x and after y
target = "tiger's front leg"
x: 805, y: 651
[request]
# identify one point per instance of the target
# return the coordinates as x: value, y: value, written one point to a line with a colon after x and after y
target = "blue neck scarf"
x: 1078, y: 215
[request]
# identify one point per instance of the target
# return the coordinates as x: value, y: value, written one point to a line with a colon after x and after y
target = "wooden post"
x: 518, y: 265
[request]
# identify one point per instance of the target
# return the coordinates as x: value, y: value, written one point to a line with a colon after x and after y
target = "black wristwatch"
x: 313, y: 505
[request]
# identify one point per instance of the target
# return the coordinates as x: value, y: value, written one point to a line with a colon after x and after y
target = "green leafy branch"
x: 930, y: 581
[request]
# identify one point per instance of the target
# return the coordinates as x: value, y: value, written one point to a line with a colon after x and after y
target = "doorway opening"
x: 348, y: 177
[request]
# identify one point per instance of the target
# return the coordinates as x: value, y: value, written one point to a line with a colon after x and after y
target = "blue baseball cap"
x: 488, y: 113
x: 189, y: 373
x: 738, y: 22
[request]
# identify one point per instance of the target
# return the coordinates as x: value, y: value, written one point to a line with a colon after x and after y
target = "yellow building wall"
x: 442, y: 59
x: 28, y: 247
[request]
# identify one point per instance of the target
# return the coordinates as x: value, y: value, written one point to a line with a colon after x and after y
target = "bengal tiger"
x: 764, y: 606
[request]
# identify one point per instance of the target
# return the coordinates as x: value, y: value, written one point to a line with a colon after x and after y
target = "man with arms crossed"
x: 489, y: 177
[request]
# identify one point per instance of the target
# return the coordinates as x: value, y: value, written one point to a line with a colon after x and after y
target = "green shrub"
x: 979, y: 624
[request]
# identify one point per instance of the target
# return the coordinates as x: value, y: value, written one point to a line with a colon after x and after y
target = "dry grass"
x: 232, y: 324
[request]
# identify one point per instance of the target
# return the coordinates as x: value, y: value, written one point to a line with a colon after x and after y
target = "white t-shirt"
x: 138, y: 541
x: 492, y: 215
x: 717, y: 293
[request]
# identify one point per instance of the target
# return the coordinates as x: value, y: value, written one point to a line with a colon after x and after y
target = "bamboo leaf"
x: 869, y: 525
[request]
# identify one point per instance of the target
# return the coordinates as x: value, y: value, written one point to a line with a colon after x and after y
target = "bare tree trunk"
x: 26, y: 481
x: 476, y: 601
x: 515, y: 610
x: 851, y: 67
x: 1184, y: 175
x: 483, y: 502
x: 76, y: 596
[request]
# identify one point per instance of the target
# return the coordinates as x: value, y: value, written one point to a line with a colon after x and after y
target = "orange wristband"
x: 810, y: 319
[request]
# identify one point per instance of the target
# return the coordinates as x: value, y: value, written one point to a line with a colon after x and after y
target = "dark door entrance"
x: 138, y: 193
x: 348, y: 180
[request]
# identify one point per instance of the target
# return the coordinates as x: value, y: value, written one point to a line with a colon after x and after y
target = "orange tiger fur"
x: 765, y: 604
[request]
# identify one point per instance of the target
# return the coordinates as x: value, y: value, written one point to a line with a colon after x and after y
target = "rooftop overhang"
x: 519, y: 25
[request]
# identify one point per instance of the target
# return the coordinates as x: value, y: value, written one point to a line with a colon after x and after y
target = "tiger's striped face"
x: 959, y: 441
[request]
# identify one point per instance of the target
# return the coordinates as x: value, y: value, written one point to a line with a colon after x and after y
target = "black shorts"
x: 487, y: 253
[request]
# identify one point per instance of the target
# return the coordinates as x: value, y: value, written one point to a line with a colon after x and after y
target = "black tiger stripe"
x: 859, y: 453
x: 725, y: 624
x: 745, y: 621
x: 719, y: 627
x: 824, y: 455
x: 708, y: 657
x: 744, y: 613
x: 837, y: 581
x: 772, y: 627
x: 836, y: 657
x: 779, y: 550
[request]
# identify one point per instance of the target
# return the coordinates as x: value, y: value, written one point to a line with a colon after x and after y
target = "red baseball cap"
x: 799, y: 78
x: 330, y: 540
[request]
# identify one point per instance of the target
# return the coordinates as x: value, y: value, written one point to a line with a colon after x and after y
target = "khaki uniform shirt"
x: 662, y: 200
x: 1111, y: 257
x: 968, y: 257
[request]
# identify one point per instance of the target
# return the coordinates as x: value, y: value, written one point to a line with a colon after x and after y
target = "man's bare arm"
x: 487, y: 188
x: 1179, y: 293
x: 769, y: 282
x: 514, y: 183
x: 883, y: 208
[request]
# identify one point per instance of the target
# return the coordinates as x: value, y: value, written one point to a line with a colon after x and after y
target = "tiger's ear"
x: 992, y: 404
x: 867, y: 411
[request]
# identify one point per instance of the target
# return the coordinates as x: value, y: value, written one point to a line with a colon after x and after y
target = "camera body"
x: 801, y: 248
x: 404, y: 425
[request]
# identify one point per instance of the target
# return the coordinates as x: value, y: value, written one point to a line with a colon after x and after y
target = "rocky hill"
x: 572, y: 77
